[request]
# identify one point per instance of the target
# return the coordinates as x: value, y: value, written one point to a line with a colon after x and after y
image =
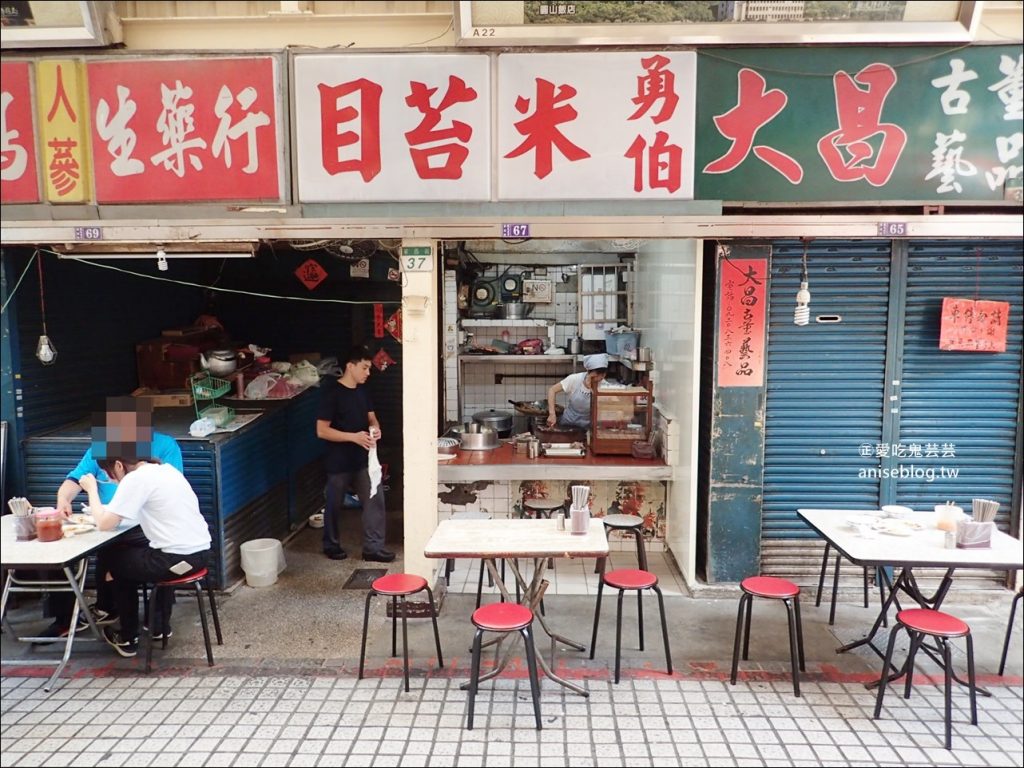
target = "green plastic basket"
x: 206, y: 387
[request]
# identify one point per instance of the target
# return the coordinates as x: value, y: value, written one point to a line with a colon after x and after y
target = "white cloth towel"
x: 375, y: 472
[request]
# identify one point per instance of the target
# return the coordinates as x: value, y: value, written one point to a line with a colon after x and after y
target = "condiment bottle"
x: 48, y: 525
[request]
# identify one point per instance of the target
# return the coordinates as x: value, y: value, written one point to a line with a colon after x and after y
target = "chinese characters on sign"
x: 63, y: 131
x: 908, y: 450
x: 392, y: 128
x: 185, y: 130
x: 575, y: 126
x: 875, y: 124
x: 742, y: 306
x: 310, y: 273
x: 974, y: 326
x: 19, y: 181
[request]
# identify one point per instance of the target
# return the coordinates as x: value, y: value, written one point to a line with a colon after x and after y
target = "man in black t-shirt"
x: 347, y: 422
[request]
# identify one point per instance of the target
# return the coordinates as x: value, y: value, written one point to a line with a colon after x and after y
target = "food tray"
x: 563, y: 450
x: 221, y: 415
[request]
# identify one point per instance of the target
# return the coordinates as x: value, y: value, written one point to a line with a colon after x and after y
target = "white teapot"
x: 219, y: 362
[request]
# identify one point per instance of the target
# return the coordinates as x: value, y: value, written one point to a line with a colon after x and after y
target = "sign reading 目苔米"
x: 860, y: 124
x: 742, y: 305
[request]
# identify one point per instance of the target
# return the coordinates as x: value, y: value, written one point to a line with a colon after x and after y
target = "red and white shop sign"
x: 185, y: 130
x: 588, y: 126
x: 19, y: 177
x: 392, y: 128
x: 742, y: 313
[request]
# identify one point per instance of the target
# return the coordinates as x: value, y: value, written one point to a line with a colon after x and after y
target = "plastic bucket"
x: 262, y: 561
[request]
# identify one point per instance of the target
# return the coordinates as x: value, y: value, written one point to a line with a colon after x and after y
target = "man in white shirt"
x: 160, y: 500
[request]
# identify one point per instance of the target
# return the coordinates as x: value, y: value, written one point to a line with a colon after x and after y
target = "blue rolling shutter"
x: 964, y: 404
x: 825, y: 394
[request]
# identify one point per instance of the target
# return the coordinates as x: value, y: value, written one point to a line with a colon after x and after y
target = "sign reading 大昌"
x: 859, y: 124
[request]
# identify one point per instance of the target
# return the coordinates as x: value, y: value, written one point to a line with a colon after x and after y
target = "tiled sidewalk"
x: 319, y: 718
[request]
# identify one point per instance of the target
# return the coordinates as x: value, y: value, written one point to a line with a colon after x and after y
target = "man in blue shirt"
x: 128, y: 422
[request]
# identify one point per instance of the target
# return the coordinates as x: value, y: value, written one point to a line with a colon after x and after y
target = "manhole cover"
x: 363, y: 578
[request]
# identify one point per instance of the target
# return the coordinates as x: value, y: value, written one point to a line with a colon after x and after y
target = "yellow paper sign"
x: 64, y: 129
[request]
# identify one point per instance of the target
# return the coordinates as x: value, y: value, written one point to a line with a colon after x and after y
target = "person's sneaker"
x: 339, y: 555
x: 100, y: 616
x: 160, y: 635
x: 51, y: 634
x: 379, y: 557
x: 125, y: 647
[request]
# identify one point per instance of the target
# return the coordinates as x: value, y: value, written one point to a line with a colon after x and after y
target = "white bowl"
x: 316, y: 520
x: 895, y: 510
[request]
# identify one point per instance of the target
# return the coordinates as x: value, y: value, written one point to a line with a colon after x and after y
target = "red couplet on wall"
x: 973, y: 326
x: 741, y: 322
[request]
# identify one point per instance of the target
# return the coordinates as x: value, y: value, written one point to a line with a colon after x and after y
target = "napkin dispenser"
x: 971, y: 534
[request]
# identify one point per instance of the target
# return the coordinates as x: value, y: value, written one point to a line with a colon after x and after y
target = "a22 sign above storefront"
x: 783, y: 125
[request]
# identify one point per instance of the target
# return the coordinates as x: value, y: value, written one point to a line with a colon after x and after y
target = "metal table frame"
x: 70, y: 556
x: 511, y: 540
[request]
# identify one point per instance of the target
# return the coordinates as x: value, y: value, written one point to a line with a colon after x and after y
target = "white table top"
x: 51, y: 554
x: 514, y: 538
x: 922, y: 549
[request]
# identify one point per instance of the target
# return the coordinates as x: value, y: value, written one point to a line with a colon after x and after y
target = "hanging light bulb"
x: 802, y: 313
x: 161, y: 260
x: 46, y: 352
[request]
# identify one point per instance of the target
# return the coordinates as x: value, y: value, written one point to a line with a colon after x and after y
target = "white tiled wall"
x: 479, y: 390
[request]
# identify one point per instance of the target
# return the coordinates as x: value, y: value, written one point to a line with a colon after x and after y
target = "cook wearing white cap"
x: 577, y: 388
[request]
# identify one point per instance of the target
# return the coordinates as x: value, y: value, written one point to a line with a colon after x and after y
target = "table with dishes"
x: 905, y: 543
x: 68, y: 554
x: 520, y: 539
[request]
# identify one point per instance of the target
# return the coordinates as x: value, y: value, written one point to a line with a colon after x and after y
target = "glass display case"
x: 619, y: 416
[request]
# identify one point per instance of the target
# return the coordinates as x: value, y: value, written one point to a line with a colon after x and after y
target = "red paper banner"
x: 741, y: 322
x: 19, y: 177
x: 378, y: 321
x: 394, y: 325
x: 974, y: 326
x: 310, y: 273
x: 185, y: 130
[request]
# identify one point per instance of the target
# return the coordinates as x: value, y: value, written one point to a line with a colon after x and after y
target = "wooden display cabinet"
x: 619, y: 417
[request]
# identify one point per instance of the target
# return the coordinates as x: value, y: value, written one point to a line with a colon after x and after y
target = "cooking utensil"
x: 535, y: 407
x: 559, y: 434
x: 499, y: 421
x: 515, y: 310
x: 485, y: 439
x: 219, y: 362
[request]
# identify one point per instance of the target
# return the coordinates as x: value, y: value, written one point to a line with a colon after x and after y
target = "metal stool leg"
x: 203, y: 621
x: 405, y: 644
x: 474, y: 678
x: 437, y: 636
x: 597, y: 617
x: 740, y: 623
x: 664, y: 628
x: 213, y: 610
x: 799, y: 633
x: 366, y: 621
x: 886, y: 665
x: 971, y: 680
x: 531, y: 666
x: 618, y: 634
x: 947, y: 662
x: 791, y: 620
x: 147, y: 633
x: 394, y: 626
x: 746, y: 628
x: 916, y: 638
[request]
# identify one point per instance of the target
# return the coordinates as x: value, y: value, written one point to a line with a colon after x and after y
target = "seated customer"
x: 126, y: 420
x: 160, y: 500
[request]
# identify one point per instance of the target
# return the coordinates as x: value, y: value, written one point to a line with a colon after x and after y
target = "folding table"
x: 510, y: 540
x: 69, y: 555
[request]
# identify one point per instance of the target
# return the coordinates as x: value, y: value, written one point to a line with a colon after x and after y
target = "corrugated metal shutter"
x: 962, y: 404
x: 825, y: 394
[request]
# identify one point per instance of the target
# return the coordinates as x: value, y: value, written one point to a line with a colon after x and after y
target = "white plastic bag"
x: 374, y: 468
x: 260, y: 387
x: 202, y: 427
x: 306, y: 373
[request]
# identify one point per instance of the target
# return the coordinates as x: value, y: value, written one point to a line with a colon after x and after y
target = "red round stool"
x: 197, y: 580
x: 921, y: 623
x: 770, y: 588
x: 630, y: 579
x: 399, y: 586
x: 504, y: 617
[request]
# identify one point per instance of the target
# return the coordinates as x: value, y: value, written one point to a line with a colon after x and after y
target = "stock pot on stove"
x: 499, y: 421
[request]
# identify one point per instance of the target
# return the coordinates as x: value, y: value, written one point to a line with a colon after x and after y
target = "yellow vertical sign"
x: 64, y: 128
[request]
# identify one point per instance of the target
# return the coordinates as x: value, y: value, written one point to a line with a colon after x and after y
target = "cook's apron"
x: 577, y: 410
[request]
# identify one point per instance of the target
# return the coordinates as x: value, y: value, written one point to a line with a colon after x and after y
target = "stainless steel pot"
x: 485, y: 439
x: 499, y: 421
x: 515, y: 310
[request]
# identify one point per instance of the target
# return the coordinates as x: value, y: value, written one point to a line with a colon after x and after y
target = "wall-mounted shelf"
x: 516, y: 358
x: 633, y: 365
x: 527, y: 323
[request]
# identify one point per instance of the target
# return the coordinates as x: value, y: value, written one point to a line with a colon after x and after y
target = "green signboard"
x: 860, y: 124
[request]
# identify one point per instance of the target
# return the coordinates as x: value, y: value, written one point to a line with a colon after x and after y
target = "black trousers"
x: 133, y: 566
x: 61, y: 603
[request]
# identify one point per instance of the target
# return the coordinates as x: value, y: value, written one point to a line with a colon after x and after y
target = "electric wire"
x: 14, y: 290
